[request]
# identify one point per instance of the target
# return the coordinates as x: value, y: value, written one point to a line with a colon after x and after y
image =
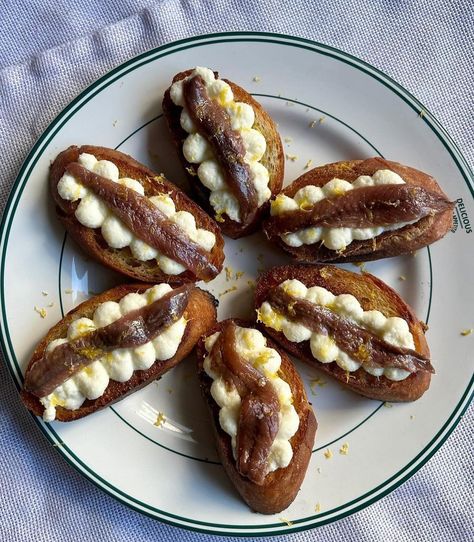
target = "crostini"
x: 263, y: 423
x: 352, y: 326
x: 132, y: 220
x: 358, y: 210
x: 229, y: 146
x: 112, y: 345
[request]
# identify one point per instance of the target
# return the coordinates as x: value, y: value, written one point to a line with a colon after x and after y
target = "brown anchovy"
x: 134, y: 329
x: 258, y: 422
x: 214, y: 124
x: 359, y: 343
x: 365, y: 207
x: 147, y: 222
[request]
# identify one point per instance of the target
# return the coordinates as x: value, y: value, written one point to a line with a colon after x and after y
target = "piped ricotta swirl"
x: 119, y: 364
x: 93, y: 213
x: 252, y: 346
x: 393, y: 330
x: 197, y: 150
x: 332, y: 238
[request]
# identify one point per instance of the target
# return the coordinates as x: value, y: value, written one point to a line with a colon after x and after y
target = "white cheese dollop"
x: 393, y: 330
x: 332, y: 238
x: 93, y: 213
x: 252, y: 346
x: 197, y: 150
x: 119, y: 364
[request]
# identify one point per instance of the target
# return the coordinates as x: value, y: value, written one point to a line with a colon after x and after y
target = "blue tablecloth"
x: 50, y: 50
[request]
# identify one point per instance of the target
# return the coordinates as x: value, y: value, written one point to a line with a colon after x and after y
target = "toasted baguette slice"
x: 372, y: 294
x: 273, y: 159
x: 390, y: 243
x: 92, y: 241
x: 281, y: 486
x: 200, y: 314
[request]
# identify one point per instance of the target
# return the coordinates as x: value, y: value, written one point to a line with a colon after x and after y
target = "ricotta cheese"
x: 119, y: 364
x: 252, y: 346
x: 332, y: 238
x: 393, y: 330
x: 93, y: 213
x: 197, y: 150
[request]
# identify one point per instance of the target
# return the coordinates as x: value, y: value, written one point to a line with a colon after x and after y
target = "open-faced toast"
x: 227, y: 193
x: 358, y: 210
x: 352, y: 326
x: 136, y: 208
x: 265, y: 463
x: 122, y: 370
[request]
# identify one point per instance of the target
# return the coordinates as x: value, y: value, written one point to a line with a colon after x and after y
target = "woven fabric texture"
x: 49, y: 52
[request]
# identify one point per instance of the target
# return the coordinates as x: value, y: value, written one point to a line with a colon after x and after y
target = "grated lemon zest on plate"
x: 41, y: 312
x: 361, y: 266
x: 344, y: 449
x: 160, y: 419
x: 228, y: 291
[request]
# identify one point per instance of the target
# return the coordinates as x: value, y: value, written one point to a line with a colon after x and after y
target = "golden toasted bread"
x: 200, y: 314
x: 273, y: 159
x: 372, y: 294
x: 390, y: 243
x: 281, y: 486
x: 122, y: 260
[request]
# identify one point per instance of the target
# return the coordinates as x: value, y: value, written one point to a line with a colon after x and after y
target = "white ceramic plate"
x: 329, y: 106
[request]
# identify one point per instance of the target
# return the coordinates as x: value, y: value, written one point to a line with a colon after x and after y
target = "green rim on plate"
x: 248, y: 530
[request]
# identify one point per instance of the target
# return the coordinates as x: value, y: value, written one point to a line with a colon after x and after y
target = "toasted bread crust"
x: 273, y: 159
x: 390, y: 243
x: 92, y: 241
x: 373, y: 294
x: 281, y: 486
x: 201, y: 316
